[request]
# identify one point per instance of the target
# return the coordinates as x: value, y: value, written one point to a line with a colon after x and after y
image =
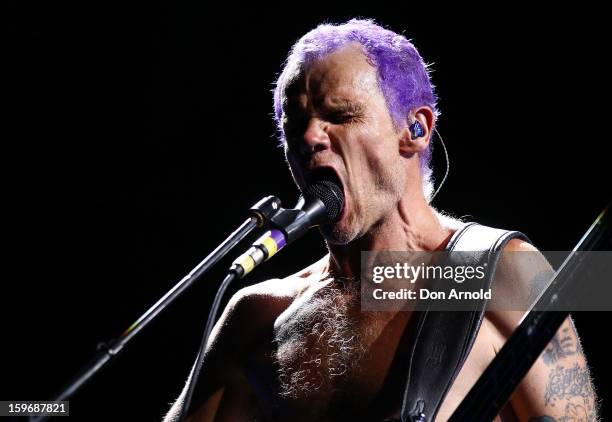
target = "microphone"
x: 321, y: 203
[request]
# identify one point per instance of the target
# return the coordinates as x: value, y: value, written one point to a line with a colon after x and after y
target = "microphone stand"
x: 261, y: 212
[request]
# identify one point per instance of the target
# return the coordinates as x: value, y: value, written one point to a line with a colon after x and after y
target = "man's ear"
x: 411, y: 145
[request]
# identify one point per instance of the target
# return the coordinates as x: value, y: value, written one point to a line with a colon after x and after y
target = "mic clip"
x: 294, y: 223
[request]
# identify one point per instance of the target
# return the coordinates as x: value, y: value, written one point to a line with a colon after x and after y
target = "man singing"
x: 354, y: 103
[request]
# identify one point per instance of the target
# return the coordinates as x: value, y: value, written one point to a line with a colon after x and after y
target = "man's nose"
x: 316, y: 137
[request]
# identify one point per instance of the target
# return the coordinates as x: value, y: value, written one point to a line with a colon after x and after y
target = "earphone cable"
x: 447, y: 165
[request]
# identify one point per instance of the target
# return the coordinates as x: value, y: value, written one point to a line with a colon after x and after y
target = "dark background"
x: 136, y: 136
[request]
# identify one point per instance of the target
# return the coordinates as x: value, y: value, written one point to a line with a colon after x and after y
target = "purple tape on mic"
x: 279, y: 238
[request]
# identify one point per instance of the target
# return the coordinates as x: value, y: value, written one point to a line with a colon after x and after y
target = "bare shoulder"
x: 521, y: 274
x: 519, y: 245
x: 252, y: 310
x: 279, y: 290
x: 245, y: 323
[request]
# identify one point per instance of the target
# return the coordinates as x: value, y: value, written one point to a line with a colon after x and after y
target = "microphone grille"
x: 330, y: 194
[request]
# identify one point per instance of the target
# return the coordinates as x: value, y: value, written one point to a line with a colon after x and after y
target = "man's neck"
x: 412, y: 226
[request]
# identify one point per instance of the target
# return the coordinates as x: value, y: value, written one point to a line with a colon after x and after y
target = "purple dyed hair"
x: 402, y: 74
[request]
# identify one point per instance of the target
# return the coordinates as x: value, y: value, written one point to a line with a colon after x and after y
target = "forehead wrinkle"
x: 343, y: 79
x: 350, y: 94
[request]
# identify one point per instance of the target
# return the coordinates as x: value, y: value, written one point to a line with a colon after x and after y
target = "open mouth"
x: 323, y: 173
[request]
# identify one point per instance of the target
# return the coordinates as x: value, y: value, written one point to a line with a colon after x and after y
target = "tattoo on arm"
x: 570, y: 389
x: 568, y: 383
x: 562, y: 345
x: 572, y: 414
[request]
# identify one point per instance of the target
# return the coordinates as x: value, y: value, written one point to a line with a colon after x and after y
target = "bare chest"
x: 329, y: 361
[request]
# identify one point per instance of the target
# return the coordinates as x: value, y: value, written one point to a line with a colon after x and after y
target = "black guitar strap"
x: 443, y: 340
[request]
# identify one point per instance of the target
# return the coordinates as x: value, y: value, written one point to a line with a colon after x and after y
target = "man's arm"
x: 221, y: 361
x: 246, y: 321
x: 558, y: 386
x: 206, y: 411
